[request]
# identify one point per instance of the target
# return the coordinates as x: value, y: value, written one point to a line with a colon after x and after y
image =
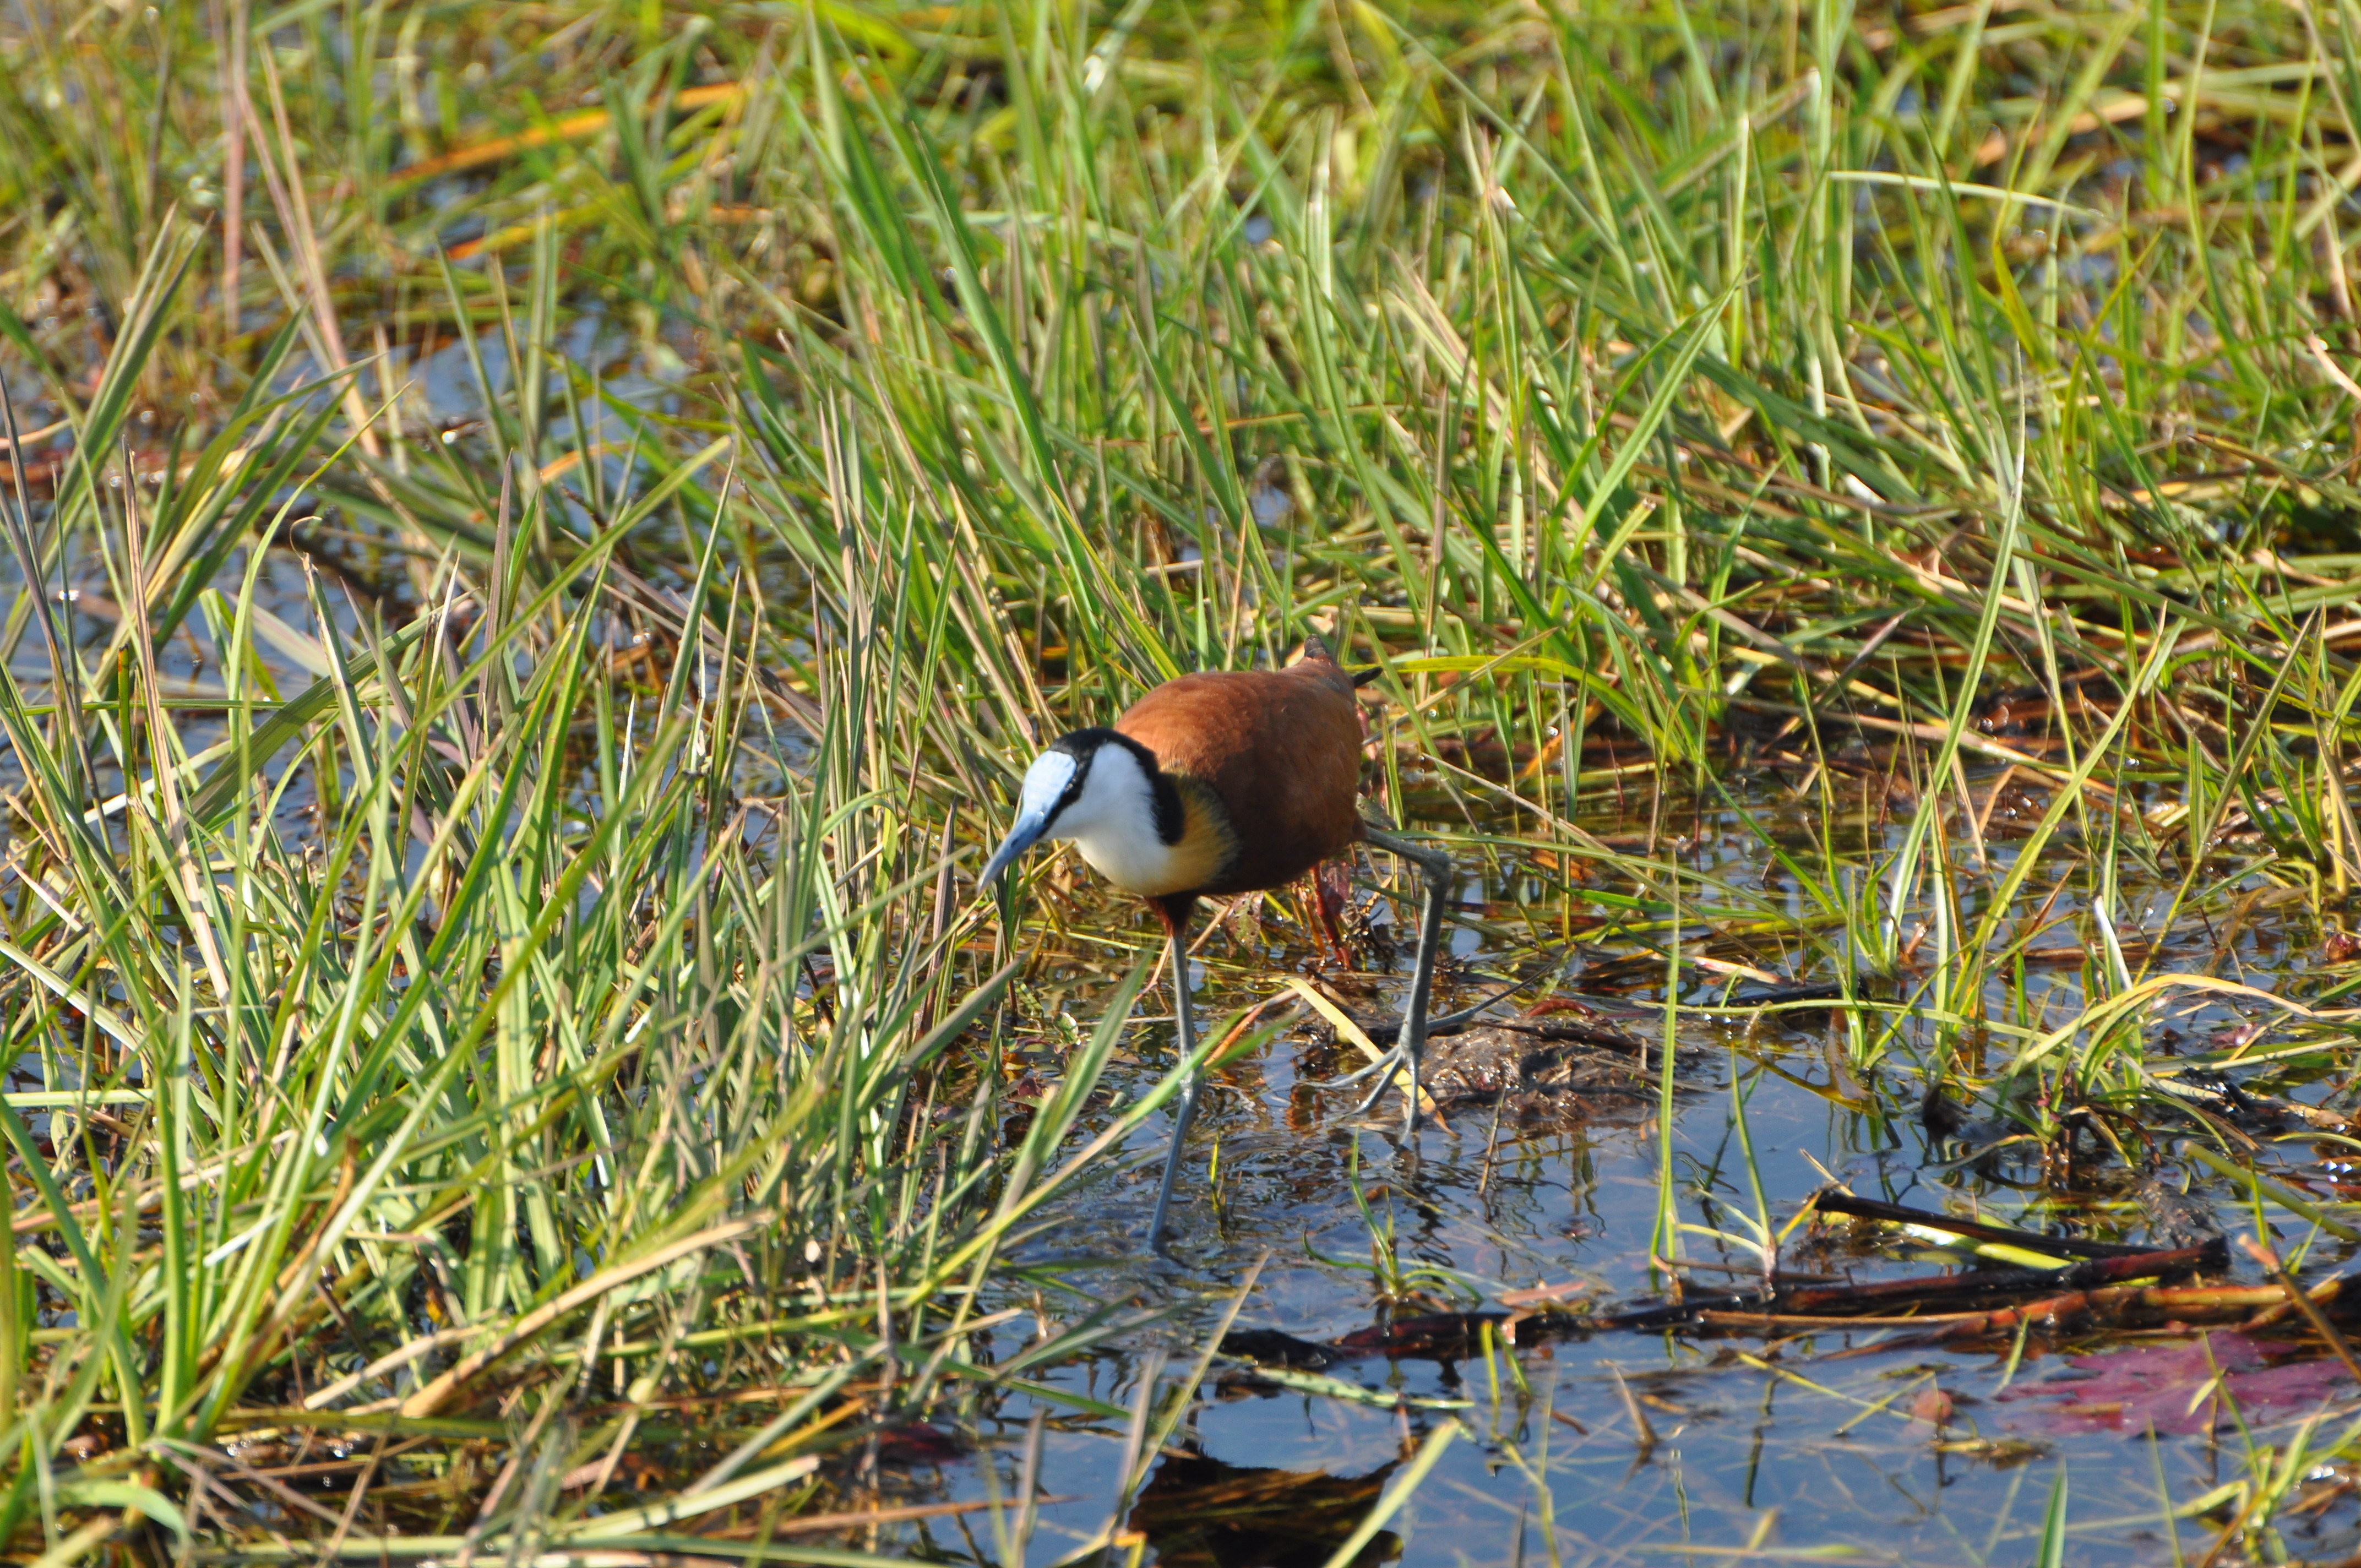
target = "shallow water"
x: 1870, y: 1443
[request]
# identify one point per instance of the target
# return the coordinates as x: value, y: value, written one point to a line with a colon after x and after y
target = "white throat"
x: 1112, y: 822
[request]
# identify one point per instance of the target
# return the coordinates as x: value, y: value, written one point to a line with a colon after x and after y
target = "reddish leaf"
x: 2174, y: 1388
x: 918, y: 1442
x: 1932, y: 1406
x: 1332, y: 893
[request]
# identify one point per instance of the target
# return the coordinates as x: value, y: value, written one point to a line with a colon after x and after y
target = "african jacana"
x: 1215, y: 784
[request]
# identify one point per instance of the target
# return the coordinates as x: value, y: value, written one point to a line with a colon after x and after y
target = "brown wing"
x: 1280, y: 749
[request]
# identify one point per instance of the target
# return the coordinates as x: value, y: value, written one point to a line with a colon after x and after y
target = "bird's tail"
x: 1315, y: 647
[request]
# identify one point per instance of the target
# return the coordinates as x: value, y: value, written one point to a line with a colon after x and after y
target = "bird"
x: 1220, y: 782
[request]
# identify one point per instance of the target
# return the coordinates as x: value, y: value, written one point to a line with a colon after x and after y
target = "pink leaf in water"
x: 2182, y: 1387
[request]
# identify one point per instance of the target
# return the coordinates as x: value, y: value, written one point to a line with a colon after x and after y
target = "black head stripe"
x: 1082, y: 745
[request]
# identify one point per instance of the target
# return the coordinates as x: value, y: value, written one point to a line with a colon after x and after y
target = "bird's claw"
x: 1383, y: 1070
x: 1399, y: 1061
x: 1392, y: 1058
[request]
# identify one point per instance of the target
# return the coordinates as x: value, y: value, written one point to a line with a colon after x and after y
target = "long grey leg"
x: 1185, y: 1015
x: 1441, y: 875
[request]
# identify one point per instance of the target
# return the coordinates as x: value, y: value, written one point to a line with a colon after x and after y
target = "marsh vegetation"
x: 541, y: 538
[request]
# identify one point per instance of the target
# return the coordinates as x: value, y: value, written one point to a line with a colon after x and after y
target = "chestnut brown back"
x: 1281, y: 748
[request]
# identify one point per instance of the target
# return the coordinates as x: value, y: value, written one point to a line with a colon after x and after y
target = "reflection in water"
x: 1200, y: 1513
